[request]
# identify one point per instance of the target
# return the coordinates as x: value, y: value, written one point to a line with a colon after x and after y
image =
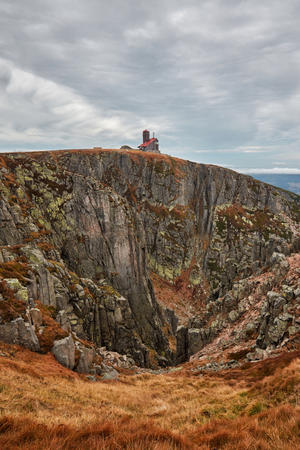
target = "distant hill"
x: 290, y: 182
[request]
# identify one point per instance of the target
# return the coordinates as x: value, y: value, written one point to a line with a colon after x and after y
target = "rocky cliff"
x: 112, y: 242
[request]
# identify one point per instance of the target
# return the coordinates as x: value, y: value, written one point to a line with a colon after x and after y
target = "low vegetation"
x: 10, y: 307
x: 44, y: 405
x: 240, y: 218
x: 14, y: 269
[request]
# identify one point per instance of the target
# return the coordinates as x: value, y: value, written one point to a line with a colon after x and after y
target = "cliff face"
x: 82, y: 230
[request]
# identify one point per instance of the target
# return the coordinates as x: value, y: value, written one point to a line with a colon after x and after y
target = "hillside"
x: 47, y: 406
x: 146, y: 302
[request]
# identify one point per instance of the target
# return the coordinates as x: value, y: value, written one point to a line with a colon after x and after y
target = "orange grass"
x: 51, y: 329
x: 14, y: 269
x: 10, y: 307
x: 44, y: 405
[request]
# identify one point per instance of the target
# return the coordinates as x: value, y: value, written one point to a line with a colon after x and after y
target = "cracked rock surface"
x: 122, y: 247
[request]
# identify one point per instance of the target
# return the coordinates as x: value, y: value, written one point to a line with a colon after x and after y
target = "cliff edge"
x: 133, y: 250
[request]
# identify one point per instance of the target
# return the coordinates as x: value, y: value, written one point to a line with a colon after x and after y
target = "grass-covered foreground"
x: 44, y: 406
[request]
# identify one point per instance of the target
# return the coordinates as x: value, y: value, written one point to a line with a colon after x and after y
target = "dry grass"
x: 14, y: 269
x: 44, y: 405
x: 10, y: 307
x: 51, y: 330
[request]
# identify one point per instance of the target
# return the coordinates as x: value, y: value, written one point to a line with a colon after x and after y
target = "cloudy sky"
x: 217, y: 80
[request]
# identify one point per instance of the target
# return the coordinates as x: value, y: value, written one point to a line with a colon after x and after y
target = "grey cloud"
x: 212, y: 74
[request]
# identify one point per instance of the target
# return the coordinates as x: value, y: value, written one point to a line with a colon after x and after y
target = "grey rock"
x: 36, y: 317
x: 181, y: 344
x: 85, y: 361
x: 250, y: 327
x: 233, y: 315
x: 9, y: 333
x: 63, y: 320
x: 287, y: 292
x: 229, y: 301
x: 277, y: 258
x: 20, y: 333
x: 109, y: 376
x: 275, y: 302
x: 42, y: 286
x: 277, y: 330
x: 297, y: 292
x: 64, y: 352
x: 195, y: 340
x: 91, y: 378
x: 172, y: 319
x: 115, y: 216
x: 293, y: 330
x: 21, y: 292
x: 106, y: 372
x: 257, y: 355
x: 280, y: 264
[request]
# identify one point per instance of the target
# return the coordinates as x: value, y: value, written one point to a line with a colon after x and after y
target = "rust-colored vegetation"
x: 10, y: 307
x: 239, y: 218
x: 131, y: 193
x: 172, y: 296
x: 37, y: 235
x: 3, y: 162
x: 181, y: 296
x: 252, y: 373
x: 14, y: 269
x: 174, y: 165
x: 9, y: 179
x: 179, y: 212
x: 48, y: 406
x: 159, y: 210
x: 45, y: 246
x: 50, y: 331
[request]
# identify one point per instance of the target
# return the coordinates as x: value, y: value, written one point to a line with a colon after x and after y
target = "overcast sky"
x: 217, y: 80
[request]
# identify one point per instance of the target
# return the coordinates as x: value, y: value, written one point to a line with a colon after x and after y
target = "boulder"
x: 64, y: 352
x: 86, y: 358
x: 20, y: 333
x: 107, y: 372
x: 195, y: 340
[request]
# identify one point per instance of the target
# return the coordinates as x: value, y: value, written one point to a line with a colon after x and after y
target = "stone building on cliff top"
x: 149, y: 145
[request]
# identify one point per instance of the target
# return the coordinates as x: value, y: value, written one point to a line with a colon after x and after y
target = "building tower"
x: 149, y: 144
x: 146, y: 136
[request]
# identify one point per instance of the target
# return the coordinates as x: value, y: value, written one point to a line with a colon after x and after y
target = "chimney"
x: 146, y: 136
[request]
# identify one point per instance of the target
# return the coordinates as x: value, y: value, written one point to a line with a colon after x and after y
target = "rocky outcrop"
x: 64, y: 352
x: 259, y: 316
x: 21, y: 333
x: 86, y: 359
x: 81, y: 231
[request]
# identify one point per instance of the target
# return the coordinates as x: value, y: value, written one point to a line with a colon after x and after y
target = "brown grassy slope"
x: 44, y: 405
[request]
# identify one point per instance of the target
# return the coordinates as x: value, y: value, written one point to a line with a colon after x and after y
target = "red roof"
x: 148, y: 142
